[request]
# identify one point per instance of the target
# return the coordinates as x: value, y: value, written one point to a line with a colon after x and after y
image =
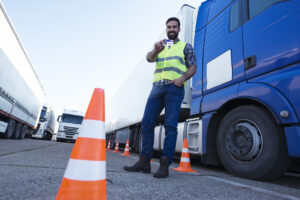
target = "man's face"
x: 172, y: 30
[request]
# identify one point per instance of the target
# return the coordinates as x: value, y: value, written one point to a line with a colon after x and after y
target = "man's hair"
x: 173, y: 19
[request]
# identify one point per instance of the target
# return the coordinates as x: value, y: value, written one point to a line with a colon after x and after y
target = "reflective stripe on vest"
x: 170, y: 63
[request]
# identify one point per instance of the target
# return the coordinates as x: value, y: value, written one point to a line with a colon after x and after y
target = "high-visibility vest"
x: 170, y: 62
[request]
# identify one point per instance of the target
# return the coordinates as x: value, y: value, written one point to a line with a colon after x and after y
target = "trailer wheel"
x: 10, y: 129
x: 18, y: 131
x: 23, y: 132
x: 251, y: 145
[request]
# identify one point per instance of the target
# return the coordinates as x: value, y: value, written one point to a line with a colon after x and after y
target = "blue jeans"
x: 165, y: 96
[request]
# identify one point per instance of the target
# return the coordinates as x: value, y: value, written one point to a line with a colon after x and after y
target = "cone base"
x: 78, y: 190
x: 184, y: 169
x: 125, y: 154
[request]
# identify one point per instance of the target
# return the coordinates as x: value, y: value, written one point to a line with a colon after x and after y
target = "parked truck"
x: 46, y: 125
x: 242, y: 107
x: 21, y: 94
x: 69, y: 123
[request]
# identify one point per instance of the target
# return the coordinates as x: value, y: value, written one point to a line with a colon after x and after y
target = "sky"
x: 76, y: 46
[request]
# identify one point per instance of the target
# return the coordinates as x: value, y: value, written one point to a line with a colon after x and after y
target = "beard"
x: 172, y: 35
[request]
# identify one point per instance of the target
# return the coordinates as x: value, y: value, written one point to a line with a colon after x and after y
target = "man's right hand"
x: 158, y: 47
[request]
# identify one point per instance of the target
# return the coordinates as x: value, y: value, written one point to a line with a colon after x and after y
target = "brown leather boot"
x: 163, y: 170
x: 143, y: 165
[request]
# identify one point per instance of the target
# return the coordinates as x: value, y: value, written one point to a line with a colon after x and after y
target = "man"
x: 175, y: 63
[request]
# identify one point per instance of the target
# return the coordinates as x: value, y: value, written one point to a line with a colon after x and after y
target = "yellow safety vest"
x: 170, y: 62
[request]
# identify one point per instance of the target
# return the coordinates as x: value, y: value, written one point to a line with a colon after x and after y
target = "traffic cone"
x: 108, y: 146
x: 117, y: 147
x: 85, y: 176
x: 185, y: 165
x: 126, y: 150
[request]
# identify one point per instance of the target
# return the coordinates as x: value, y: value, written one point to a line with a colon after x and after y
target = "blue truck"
x: 242, y: 107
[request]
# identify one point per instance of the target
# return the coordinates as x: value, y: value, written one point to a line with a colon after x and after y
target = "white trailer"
x: 21, y: 94
x: 69, y: 123
x: 126, y: 108
x: 46, y: 125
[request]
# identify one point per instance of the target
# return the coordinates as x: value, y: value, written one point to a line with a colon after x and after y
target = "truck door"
x: 223, y: 53
x: 271, y: 35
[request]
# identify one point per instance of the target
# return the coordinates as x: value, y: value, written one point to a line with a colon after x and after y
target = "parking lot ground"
x: 33, y: 169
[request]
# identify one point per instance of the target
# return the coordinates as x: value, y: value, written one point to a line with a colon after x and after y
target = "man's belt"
x: 162, y: 82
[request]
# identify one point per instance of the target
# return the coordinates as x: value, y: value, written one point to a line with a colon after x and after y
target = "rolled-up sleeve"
x: 189, y: 54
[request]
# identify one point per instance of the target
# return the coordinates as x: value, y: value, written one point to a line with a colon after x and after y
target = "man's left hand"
x: 178, y: 82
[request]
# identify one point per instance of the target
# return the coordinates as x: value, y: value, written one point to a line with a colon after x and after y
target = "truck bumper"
x: 62, y: 135
x: 292, y: 135
x: 38, y: 134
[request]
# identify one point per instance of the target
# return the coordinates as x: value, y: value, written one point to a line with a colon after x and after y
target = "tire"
x: 10, y: 129
x: 48, y: 136
x: 18, y: 131
x: 23, y: 132
x: 251, y: 145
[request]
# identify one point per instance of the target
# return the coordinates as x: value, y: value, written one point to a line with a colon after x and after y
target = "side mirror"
x: 58, y: 118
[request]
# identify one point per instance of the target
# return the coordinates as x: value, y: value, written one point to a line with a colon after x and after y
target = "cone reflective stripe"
x: 108, y: 146
x: 117, y: 147
x: 185, y: 164
x: 85, y: 176
x: 126, y: 150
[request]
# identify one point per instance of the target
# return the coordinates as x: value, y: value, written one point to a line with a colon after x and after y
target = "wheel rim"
x: 243, y: 140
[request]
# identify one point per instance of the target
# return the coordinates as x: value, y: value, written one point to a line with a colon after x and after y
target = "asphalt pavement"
x: 33, y: 170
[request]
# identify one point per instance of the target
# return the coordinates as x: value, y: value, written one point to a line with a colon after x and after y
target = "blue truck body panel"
x: 271, y: 98
x: 271, y: 38
x: 292, y: 135
x: 287, y: 81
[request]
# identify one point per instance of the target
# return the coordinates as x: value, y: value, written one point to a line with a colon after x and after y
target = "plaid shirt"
x: 189, y: 55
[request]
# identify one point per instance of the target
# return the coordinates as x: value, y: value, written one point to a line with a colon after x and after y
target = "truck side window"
x: 257, y: 6
x: 235, y: 16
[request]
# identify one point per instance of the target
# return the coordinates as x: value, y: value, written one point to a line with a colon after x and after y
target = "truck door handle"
x: 250, y: 62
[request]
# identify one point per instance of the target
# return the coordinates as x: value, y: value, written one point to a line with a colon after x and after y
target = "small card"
x: 169, y: 43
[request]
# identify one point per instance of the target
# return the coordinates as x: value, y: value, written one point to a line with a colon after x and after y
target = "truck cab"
x: 69, y: 124
x: 46, y: 125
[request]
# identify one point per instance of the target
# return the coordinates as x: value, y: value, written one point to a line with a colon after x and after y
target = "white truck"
x: 69, y: 123
x: 21, y: 93
x: 46, y: 125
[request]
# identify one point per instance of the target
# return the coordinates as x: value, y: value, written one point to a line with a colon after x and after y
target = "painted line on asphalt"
x: 272, y: 193
x: 25, y: 150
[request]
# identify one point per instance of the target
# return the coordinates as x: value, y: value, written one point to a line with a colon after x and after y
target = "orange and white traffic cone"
x: 117, y: 147
x: 108, y: 146
x: 126, y: 150
x: 185, y: 165
x: 85, y: 176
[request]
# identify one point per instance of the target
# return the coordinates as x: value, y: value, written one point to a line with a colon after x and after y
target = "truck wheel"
x: 10, y: 129
x: 23, y: 132
x: 251, y: 145
x: 48, y: 136
x: 18, y: 131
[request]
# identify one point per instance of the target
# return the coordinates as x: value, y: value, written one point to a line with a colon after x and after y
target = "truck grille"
x: 70, y: 130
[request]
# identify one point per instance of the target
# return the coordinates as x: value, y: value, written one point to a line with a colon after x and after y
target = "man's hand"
x: 178, y: 82
x: 190, y: 72
x: 158, y: 47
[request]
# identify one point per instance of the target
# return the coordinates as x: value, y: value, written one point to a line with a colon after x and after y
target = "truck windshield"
x: 74, y: 119
x: 43, y: 115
